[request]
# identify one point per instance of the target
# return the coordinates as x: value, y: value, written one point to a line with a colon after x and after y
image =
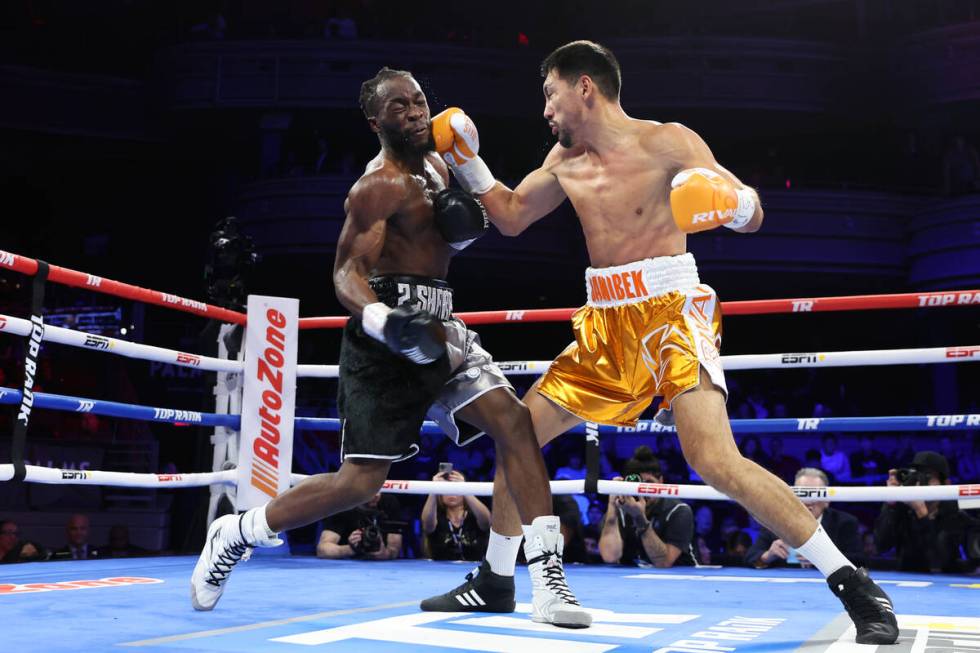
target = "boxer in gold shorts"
x: 650, y: 327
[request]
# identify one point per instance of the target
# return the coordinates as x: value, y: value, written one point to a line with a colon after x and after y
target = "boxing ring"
x: 278, y: 603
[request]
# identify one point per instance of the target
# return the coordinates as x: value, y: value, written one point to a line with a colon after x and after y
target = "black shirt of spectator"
x: 673, y: 522
x: 382, y: 516
x: 449, y: 542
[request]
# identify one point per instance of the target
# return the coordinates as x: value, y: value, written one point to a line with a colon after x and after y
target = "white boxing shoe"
x: 224, y: 547
x: 552, y: 600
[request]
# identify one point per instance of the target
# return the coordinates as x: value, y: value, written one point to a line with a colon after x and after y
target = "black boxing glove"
x: 459, y: 216
x: 415, y: 334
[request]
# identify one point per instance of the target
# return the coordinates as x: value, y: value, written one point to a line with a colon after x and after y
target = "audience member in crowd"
x: 9, y: 537
x: 455, y: 527
x: 752, y: 449
x: 782, y: 465
x: 369, y: 532
x: 834, y: 461
x: 570, y: 518
x: 925, y: 535
x: 119, y: 545
x: 675, y: 469
x: 868, y: 465
x: 770, y: 551
x: 27, y: 551
x: 905, y: 452
x: 78, y: 547
x: 593, y: 530
x: 648, y: 531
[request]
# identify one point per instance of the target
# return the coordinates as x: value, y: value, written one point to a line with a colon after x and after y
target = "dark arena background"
x: 131, y: 131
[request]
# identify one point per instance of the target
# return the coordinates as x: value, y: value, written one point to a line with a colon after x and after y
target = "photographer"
x: 455, y: 527
x: 647, y: 531
x: 770, y: 551
x: 368, y: 531
x: 925, y: 535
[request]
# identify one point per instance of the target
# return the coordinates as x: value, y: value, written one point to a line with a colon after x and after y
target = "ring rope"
x: 67, y: 403
x: 83, y: 340
x: 108, y: 345
x: 961, y: 354
x: 55, y: 476
x: 69, y: 277
x: 942, y: 299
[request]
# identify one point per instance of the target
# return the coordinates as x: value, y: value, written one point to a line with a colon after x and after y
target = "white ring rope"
x: 21, y: 327
x: 55, y: 476
x: 756, y: 361
x: 72, y: 338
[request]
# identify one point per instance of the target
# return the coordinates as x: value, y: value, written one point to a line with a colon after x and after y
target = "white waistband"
x: 638, y: 281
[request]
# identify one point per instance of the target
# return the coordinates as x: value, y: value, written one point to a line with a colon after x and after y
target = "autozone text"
x: 188, y: 359
x: 97, y: 342
x: 656, y: 488
x: 189, y: 303
x: 945, y: 299
x: 265, y: 464
x: 953, y: 420
x: 970, y: 490
x: 30, y: 368
x: 169, y: 414
x: 76, y: 584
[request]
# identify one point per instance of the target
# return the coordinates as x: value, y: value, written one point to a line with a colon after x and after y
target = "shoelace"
x: 554, y: 575
x: 227, y: 559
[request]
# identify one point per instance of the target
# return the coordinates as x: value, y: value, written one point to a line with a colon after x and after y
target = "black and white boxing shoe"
x: 483, y: 591
x: 867, y: 604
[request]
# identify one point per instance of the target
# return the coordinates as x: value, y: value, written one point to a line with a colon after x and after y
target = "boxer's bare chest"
x: 622, y: 201
x: 413, y: 245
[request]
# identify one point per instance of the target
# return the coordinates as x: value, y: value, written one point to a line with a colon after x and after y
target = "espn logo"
x: 395, y: 485
x: 188, y: 359
x: 811, y: 492
x: 970, y: 490
x: 657, y: 488
x: 962, y: 352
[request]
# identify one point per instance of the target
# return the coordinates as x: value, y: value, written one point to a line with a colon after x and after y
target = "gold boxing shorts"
x: 646, y: 331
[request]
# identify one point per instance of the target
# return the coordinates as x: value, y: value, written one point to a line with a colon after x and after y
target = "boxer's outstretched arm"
x: 513, y: 211
x: 690, y: 151
x: 370, y: 203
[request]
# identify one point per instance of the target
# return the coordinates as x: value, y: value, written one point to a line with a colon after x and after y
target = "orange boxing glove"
x: 458, y: 143
x: 702, y: 199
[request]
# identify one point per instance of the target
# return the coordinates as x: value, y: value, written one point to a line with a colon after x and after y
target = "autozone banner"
x: 269, y: 399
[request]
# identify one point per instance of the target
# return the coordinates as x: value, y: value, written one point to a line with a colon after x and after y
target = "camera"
x: 911, y: 476
x: 371, y: 539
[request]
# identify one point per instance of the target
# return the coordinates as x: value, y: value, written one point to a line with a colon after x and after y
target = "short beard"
x: 564, y: 139
x: 400, y: 144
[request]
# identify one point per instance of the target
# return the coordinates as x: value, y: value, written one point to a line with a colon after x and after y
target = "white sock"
x: 823, y: 553
x: 255, y: 527
x: 502, y: 553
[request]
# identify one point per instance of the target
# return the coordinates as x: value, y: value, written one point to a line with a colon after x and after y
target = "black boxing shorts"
x: 383, y: 398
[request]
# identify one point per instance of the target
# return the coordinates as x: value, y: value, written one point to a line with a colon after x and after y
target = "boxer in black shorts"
x: 404, y: 357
